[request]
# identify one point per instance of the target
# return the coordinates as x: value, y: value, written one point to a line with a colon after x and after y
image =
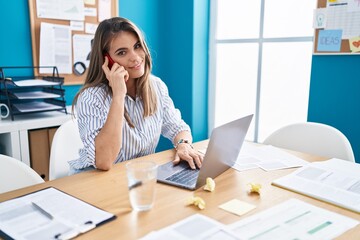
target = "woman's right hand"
x: 117, y: 77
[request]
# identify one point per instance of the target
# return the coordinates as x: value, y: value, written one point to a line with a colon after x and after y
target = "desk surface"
x: 108, y: 191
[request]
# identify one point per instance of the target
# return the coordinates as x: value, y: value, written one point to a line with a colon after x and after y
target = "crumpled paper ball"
x: 254, y: 188
x: 210, y: 184
x: 197, y: 201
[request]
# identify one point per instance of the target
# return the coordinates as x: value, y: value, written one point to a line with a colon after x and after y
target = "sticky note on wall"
x: 329, y: 41
x: 354, y: 44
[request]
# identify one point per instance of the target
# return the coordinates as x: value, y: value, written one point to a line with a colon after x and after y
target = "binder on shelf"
x: 28, y: 94
x: 49, y: 214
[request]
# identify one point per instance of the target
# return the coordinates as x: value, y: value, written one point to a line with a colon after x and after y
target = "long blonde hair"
x: 105, y: 33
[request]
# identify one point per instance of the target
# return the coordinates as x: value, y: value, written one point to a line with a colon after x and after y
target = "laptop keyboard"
x: 187, y: 176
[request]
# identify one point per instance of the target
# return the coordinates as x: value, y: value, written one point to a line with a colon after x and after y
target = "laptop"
x: 222, y: 151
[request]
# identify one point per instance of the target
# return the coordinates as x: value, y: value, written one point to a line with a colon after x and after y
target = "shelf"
x: 24, y: 94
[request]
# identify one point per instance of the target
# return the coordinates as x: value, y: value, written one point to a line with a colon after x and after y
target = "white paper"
x: 320, y: 16
x: 335, y: 181
x: 90, y: 12
x: 266, y: 157
x: 55, y: 48
x: 353, y: 6
x: 90, y: 28
x: 82, y: 48
x: 339, y: 17
x: 293, y: 219
x: 35, y: 106
x: 60, y: 9
x: 35, y: 95
x: 77, y: 25
x: 104, y: 10
x: 56, y: 213
x: 35, y: 82
x: 196, y: 226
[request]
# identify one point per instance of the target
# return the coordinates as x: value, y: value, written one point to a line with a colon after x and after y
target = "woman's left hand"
x: 192, y: 156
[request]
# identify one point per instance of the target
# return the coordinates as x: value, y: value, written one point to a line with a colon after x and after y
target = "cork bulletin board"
x: 344, y: 16
x: 73, y: 78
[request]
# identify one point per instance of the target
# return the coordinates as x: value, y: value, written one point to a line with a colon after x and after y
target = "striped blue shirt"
x: 92, y: 109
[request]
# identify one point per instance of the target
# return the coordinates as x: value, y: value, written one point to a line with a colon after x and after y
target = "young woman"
x: 122, y: 109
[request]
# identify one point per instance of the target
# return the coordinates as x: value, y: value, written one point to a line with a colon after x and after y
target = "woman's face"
x: 126, y: 50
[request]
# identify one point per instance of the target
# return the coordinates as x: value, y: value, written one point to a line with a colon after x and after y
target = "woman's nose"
x: 134, y: 56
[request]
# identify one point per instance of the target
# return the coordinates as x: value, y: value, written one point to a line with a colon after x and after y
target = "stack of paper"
x: 336, y: 181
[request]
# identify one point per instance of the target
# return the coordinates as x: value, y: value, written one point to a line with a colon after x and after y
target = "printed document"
x: 48, y: 214
x: 293, y: 219
x: 196, y: 226
x: 336, y: 181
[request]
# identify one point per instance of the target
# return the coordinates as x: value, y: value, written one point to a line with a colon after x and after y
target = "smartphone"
x: 111, y: 61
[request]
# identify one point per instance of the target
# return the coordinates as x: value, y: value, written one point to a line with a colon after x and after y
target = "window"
x: 260, y: 62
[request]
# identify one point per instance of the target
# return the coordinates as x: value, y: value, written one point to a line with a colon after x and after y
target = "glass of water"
x: 141, y: 183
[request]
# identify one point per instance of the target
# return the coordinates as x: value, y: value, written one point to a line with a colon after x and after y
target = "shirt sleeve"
x: 173, y: 124
x: 91, y: 112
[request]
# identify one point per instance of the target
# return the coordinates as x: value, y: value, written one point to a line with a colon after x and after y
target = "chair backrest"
x: 65, y: 147
x: 15, y: 174
x: 314, y: 138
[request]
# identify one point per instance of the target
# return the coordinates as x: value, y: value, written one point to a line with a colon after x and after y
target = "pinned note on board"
x: 319, y: 20
x: 329, y: 41
x: 354, y: 44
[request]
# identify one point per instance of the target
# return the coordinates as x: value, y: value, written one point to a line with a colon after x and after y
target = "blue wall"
x: 335, y: 95
x: 176, y: 32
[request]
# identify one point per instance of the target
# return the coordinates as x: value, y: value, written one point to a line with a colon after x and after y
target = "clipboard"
x: 49, y: 213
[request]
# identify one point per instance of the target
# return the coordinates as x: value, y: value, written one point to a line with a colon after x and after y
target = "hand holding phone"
x: 111, y: 61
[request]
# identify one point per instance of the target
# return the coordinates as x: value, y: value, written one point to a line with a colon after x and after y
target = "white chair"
x: 314, y: 138
x: 65, y: 147
x: 15, y: 174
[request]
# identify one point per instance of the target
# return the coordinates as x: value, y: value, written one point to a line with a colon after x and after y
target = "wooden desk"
x: 108, y: 191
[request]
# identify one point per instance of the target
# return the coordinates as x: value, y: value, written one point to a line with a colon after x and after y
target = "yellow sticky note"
x: 354, y: 44
x: 89, y: 2
x: 237, y: 207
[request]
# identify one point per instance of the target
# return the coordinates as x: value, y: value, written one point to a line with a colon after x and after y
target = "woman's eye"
x: 121, y: 53
x: 138, y: 45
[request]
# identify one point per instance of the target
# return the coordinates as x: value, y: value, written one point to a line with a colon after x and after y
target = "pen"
x: 43, y: 211
x: 87, y: 226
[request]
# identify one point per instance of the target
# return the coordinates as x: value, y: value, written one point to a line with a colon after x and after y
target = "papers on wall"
x: 320, y: 16
x: 90, y: 28
x: 354, y: 44
x: 344, y: 16
x: 90, y: 12
x: 60, y: 9
x: 49, y: 214
x: 293, y: 219
x: 104, y: 9
x: 335, y: 181
x: 266, y: 157
x: 82, y: 48
x: 77, y: 25
x: 329, y: 40
x: 55, y: 48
